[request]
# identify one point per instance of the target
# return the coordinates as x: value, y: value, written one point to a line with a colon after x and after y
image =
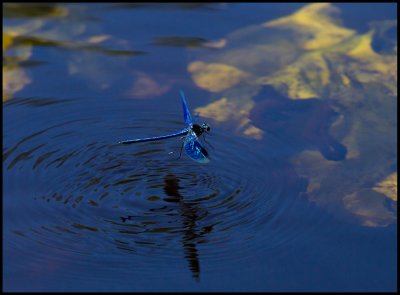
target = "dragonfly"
x: 193, y: 148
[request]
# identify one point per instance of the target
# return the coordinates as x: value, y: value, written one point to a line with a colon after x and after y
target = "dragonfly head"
x: 199, y: 129
x: 205, y: 127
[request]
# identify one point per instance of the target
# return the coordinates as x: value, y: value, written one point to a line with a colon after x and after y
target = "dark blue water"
x: 82, y: 213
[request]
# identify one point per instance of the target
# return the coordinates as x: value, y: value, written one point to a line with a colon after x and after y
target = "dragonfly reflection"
x: 190, y: 217
x: 193, y: 148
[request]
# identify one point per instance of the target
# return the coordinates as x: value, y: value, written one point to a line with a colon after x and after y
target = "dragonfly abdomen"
x: 179, y: 133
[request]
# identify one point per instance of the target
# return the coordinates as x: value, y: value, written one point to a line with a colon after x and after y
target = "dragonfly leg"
x: 204, y: 138
x: 180, y: 153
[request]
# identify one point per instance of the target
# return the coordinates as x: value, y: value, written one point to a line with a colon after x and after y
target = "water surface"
x: 299, y: 191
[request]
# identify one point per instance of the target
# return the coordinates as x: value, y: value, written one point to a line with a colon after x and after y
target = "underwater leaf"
x: 253, y: 132
x: 215, y: 77
x: 369, y: 208
x: 28, y: 10
x: 146, y: 86
x: 360, y: 183
x: 18, y: 42
x: 179, y: 41
x: 14, y: 76
x: 369, y: 66
x: 317, y: 23
x: 220, y: 110
x: 14, y: 80
x: 223, y: 110
x: 98, y: 39
x: 305, y: 78
x: 7, y: 40
x: 189, y: 42
x: 54, y: 26
x: 41, y: 41
x: 388, y: 186
x: 385, y: 37
x: 310, y: 164
x: 217, y: 44
x: 325, y: 59
x: 311, y: 74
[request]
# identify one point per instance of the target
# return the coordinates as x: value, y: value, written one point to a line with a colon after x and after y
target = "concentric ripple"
x: 86, y: 195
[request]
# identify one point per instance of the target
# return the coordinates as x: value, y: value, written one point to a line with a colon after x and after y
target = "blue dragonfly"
x: 193, y: 148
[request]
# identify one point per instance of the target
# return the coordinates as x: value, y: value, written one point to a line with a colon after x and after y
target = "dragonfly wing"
x: 186, y: 113
x: 179, y: 133
x: 195, y: 149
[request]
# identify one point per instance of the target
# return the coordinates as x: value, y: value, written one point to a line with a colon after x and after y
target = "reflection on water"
x: 189, y: 216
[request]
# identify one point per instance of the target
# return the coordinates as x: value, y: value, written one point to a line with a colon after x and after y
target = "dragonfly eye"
x: 205, y: 127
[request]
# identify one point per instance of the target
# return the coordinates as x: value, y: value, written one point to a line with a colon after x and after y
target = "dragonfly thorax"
x: 199, y: 129
x: 193, y: 147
